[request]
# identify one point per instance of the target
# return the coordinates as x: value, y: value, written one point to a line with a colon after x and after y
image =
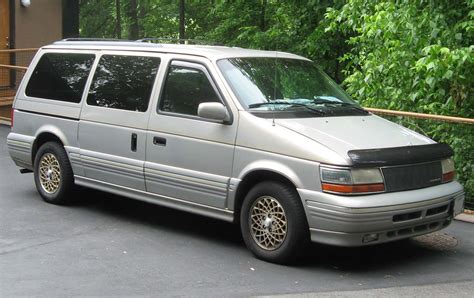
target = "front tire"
x: 53, y: 174
x: 273, y: 222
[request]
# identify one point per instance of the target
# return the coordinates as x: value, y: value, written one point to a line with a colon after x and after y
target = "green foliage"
x: 97, y: 18
x: 293, y: 26
x: 414, y: 56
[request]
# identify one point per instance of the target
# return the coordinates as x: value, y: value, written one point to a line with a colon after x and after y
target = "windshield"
x: 282, y: 85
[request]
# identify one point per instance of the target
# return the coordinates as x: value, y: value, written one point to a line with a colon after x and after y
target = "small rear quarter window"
x: 60, y: 76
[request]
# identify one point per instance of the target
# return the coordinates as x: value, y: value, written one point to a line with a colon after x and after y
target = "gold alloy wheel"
x: 49, y: 173
x: 268, y: 224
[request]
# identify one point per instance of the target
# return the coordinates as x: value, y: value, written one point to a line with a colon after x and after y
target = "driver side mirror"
x: 213, y: 111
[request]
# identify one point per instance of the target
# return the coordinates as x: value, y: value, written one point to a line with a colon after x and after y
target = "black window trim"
x: 111, y: 52
x: 200, y: 66
x: 34, y: 64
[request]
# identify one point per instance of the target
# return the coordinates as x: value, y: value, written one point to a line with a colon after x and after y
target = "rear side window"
x: 185, y: 89
x: 60, y: 76
x: 123, y: 82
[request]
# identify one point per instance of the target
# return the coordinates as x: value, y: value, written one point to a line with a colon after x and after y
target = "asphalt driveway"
x: 109, y: 245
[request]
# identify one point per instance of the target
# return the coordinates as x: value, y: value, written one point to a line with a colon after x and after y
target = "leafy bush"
x: 414, y: 56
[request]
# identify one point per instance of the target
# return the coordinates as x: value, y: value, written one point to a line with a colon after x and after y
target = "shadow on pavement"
x: 159, y: 217
x: 358, y: 259
x: 370, y: 258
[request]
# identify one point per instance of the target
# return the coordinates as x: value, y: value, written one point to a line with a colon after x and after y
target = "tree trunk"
x: 70, y: 18
x: 118, y: 20
x: 182, y: 23
x: 133, y: 15
x: 141, y: 15
x: 262, y: 15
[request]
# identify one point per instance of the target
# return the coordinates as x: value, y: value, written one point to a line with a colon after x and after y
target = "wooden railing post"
x: 13, y: 66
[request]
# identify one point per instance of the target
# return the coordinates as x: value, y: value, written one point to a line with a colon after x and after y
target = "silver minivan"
x: 264, y: 139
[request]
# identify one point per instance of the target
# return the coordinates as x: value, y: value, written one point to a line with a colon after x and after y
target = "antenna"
x: 275, y: 87
x: 179, y: 41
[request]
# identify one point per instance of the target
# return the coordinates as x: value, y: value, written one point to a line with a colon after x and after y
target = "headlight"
x: 448, y: 169
x: 351, y: 181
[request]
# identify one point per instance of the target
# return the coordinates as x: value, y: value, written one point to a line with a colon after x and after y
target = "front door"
x: 188, y: 157
x: 112, y: 129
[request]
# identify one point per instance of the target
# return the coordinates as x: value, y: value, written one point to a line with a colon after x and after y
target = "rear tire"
x: 53, y: 174
x: 273, y: 223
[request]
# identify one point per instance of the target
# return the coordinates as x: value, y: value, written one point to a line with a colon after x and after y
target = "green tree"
x: 414, y: 56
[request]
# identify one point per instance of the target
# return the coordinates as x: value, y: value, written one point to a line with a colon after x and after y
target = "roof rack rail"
x: 152, y: 40
x: 93, y: 39
x: 180, y: 41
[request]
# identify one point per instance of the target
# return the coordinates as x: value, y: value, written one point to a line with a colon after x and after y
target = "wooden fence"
x: 13, y: 64
x: 421, y: 115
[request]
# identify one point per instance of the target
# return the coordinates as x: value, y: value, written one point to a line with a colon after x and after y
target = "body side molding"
x: 222, y: 214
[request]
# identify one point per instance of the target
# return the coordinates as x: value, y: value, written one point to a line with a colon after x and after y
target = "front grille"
x: 437, y: 210
x: 412, y: 176
x: 425, y: 228
x: 406, y: 216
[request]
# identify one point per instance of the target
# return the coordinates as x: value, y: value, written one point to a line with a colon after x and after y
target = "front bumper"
x: 378, y: 218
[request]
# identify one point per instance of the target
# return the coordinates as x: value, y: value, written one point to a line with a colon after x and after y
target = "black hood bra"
x: 399, y: 155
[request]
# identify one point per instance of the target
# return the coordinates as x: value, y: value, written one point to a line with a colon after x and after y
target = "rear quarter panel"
x: 34, y: 116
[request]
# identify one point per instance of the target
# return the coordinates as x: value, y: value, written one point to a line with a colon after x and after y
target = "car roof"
x: 211, y: 52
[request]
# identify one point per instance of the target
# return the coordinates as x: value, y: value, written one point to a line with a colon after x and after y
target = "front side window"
x: 286, y: 87
x: 185, y: 89
x: 60, y: 76
x: 123, y: 82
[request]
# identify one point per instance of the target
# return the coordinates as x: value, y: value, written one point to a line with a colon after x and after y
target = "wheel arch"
x: 252, y: 177
x: 44, y: 135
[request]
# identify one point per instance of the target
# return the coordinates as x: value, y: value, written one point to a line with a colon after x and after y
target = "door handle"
x: 134, y: 142
x: 159, y: 141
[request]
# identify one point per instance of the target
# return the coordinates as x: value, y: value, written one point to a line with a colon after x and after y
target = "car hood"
x: 345, y: 133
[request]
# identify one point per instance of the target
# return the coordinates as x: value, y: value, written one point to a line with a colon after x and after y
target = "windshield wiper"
x: 291, y: 104
x: 340, y: 103
x: 353, y: 106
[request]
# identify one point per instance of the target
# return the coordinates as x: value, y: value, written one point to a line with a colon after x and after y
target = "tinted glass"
x: 185, y: 89
x: 60, y: 76
x: 123, y: 82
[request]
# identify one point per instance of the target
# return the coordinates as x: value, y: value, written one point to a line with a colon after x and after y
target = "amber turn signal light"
x: 348, y: 189
x: 448, y: 177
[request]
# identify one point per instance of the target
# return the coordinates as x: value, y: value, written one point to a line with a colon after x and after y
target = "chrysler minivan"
x: 263, y: 139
